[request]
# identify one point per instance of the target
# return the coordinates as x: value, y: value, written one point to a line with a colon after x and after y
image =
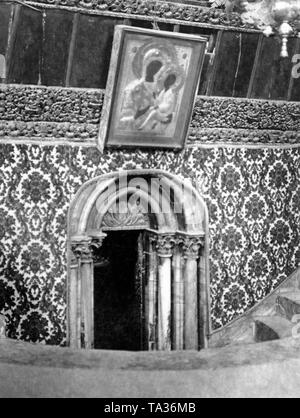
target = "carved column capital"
x: 84, y: 247
x: 97, y: 240
x: 164, y: 244
x: 81, y: 248
x: 191, y: 246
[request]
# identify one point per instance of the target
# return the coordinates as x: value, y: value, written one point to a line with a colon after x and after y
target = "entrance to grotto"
x: 138, y: 275
x: 119, y: 294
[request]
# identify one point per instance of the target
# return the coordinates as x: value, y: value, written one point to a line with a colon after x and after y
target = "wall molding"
x: 160, y: 11
x: 57, y: 104
x: 240, y: 113
x: 50, y: 104
x: 243, y: 136
x: 72, y: 116
x: 52, y: 133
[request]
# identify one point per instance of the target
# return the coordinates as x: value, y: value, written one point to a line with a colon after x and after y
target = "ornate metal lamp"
x: 280, y: 17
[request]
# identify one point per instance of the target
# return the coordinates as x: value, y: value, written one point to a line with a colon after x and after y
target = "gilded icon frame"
x: 151, y: 89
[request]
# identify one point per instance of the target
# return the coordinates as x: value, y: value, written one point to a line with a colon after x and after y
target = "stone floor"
x: 261, y: 370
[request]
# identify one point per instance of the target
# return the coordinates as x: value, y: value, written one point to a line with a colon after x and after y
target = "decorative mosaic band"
x: 49, y: 131
x: 222, y: 112
x: 243, y: 137
x: 160, y: 11
x: 50, y: 104
x: 73, y: 115
x: 86, y: 134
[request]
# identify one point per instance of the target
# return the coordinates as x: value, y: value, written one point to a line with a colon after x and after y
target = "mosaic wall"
x: 253, y: 198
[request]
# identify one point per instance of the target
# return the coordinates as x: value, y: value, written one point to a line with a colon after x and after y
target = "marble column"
x: 164, y: 245
x: 178, y: 301
x: 87, y: 280
x: 73, y: 296
x: 83, y: 248
x: 95, y: 244
x: 191, y: 251
x: 204, y: 302
x: 152, y: 320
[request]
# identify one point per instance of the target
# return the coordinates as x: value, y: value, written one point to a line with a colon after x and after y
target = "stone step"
x: 268, y: 328
x: 286, y: 290
x: 288, y: 305
x: 243, y: 330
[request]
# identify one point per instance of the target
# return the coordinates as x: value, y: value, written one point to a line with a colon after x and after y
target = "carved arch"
x: 176, y: 220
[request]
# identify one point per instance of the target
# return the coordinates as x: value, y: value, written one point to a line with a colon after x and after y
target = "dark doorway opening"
x: 119, y: 293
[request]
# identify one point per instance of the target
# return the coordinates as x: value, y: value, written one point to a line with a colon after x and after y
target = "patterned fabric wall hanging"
x: 253, y: 200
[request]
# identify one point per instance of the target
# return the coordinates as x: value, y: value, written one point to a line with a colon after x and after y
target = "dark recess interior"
x: 118, y: 294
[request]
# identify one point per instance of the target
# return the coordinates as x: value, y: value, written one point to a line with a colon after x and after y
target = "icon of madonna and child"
x: 151, y: 98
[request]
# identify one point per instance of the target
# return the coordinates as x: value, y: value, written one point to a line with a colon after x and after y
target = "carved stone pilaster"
x: 164, y: 245
x: 191, y: 246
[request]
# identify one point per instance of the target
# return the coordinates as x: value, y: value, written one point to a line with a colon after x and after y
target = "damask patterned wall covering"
x: 253, y: 197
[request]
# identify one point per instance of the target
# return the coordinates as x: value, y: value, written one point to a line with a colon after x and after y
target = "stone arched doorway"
x: 173, y: 219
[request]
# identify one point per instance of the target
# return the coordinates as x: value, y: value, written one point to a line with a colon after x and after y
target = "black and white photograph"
x: 150, y: 202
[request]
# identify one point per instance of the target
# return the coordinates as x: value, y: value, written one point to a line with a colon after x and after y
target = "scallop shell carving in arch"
x: 126, y: 214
